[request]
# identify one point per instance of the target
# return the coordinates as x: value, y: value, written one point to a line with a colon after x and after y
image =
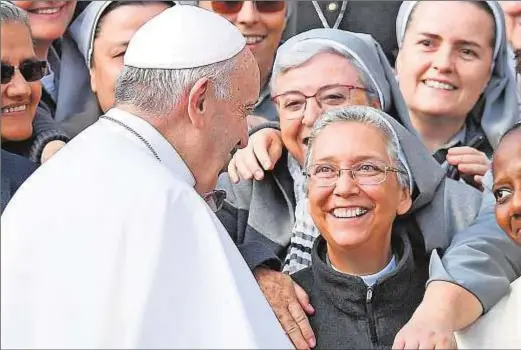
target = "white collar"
x: 370, y: 280
x: 166, y: 152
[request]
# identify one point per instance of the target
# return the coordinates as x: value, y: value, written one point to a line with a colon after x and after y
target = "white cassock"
x: 106, y: 247
x: 499, y: 328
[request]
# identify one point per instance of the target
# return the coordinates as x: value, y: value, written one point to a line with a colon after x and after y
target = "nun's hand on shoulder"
x: 262, y: 153
x: 469, y: 161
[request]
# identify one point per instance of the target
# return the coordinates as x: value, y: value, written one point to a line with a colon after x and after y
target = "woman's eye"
x: 502, y: 195
x: 293, y: 105
x: 324, y: 169
x: 469, y: 53
x: 368, y: 168
x: 425, y: 42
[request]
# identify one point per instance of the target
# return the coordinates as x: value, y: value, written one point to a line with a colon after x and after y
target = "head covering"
x: 83, y: 28
x: 368, y: 54
x: 198, y: 37
x: 407, y: 8
x: 500, y: 108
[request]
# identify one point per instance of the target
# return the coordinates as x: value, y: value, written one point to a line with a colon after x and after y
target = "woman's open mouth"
x: 49, y: 11
x: 14, y: 109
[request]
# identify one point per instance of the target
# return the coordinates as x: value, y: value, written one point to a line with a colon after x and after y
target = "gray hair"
x: 156, y: 92
x: 10, y: 13
x: 304, y: 51
x: 367, y: 116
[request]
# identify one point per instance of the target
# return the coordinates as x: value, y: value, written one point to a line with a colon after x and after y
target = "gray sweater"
x: 351, y: 315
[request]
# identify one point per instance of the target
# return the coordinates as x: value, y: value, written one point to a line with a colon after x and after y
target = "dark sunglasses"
x: 233, y: 7
x: 30, y: 70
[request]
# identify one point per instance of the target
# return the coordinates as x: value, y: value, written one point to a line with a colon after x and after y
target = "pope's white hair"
x: 362, y: 115
x: 156, y: 92
x: 304, y: 51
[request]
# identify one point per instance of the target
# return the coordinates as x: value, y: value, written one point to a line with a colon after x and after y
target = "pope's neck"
x: 436, y: 131
x: 355, y: 261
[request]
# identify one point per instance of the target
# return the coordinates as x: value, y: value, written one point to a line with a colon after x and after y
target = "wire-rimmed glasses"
x: 363, y: 173
x: 292, y: 104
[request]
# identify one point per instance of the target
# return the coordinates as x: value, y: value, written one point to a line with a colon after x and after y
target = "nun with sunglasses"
x: 26, y: 129
x: 262, y: 23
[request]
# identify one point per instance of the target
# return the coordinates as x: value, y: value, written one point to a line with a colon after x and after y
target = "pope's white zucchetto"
x: 184, y: 37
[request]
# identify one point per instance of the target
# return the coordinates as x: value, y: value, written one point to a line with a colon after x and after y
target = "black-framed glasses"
x: 30, y: 70
x: 292, y: 104
x: 215, y: 199
x: 234, y: 7
x: 363, y: 173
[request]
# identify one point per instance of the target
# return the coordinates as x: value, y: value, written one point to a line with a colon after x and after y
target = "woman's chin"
x: 16, y: 134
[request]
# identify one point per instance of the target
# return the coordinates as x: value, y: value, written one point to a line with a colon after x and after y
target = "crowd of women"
x: 379, y: 149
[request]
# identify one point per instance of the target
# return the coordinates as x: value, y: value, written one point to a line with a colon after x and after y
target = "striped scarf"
x: 304, y: 231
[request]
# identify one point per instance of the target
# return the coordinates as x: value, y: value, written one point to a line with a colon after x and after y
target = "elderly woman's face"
x: 446, y: 57
x: 19, y: 97
x: 325, y: 69
x: 262, y: 29
x: 116, y: 29
x: 507, y: 185
x: 349, y: 215
x: 49, y: 19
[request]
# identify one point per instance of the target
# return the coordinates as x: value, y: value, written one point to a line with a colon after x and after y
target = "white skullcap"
x: 184, y: 37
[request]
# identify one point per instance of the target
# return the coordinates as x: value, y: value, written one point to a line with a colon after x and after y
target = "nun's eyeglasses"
x: 292, y: 104
x: 234, y: 7
x: 364, y: 173
x: 30, y: 70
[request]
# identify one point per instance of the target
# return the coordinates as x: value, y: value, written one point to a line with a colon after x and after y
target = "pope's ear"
x: 198, y: 102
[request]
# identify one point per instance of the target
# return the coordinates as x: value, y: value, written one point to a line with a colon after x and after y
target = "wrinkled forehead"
x: 246, y: 75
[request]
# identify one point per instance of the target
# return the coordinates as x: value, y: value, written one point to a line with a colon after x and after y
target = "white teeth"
x: 250, y: 40
x: 439, y: 85
x: 349, y: 212
x: 14, y: 109
x: 47, y: 11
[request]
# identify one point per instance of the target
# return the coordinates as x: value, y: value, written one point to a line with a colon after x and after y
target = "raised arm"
x: 473, y: 274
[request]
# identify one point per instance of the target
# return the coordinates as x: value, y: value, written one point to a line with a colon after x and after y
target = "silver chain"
x: 323, y: 19
x: 135, y: 133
